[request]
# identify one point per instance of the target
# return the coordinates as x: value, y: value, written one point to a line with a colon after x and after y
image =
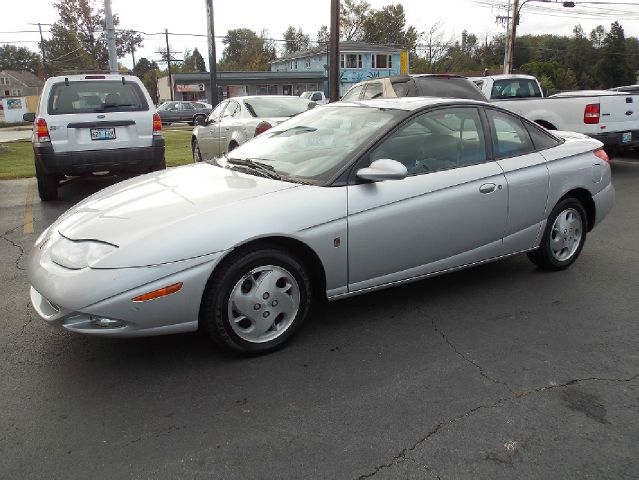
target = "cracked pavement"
x: 500, y: 371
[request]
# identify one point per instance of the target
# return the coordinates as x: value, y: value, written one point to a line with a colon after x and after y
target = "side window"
x: 373, y: 90
x: 540, y: 138
x: 405, y: 88
x: 187, y: 106
x: 510, y: 137
x: 437, y: 140
x: 172, y: 106
x: 316, y: 97
x: 232, y: 110
x: 353, y: 94
x: 217, y: 112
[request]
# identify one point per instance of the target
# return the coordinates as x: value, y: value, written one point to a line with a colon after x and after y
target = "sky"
x: 189, y: 17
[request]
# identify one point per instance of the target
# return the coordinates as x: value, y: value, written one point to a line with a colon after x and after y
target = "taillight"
x: 157, y: 124
x: 262, y: 127
x: 42, y: 131
x: 591, y: 113
x: 601, y: 153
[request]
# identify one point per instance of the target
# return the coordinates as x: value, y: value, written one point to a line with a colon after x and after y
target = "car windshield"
x: 313, y: 146
x: 277, y: 106
x: 96, y: 96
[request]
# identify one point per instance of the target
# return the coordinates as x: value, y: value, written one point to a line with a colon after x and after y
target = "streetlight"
x: 510, y: 44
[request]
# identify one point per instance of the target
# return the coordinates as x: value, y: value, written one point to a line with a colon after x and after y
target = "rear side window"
x: 448, y: 87
x: 405, y: 88
x: 96, y: 96
x: 541, y: 139
x: 510, y: 137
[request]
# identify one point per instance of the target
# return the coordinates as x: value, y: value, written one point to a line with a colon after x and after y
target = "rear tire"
x: 256, y: 301
x: 564, y: 236
x: 47, y: 185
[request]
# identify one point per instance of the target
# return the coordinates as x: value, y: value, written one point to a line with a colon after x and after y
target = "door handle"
x: 487, y: 188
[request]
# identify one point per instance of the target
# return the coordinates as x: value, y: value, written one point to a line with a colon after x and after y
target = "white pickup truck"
x: 610, y: 117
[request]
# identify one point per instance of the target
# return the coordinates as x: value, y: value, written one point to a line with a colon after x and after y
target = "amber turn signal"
x: 161, y: 292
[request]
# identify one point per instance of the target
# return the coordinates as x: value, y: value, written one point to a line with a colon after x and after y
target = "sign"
x: 403, y: 62
x: 193, y: 87
x: 14, y: 108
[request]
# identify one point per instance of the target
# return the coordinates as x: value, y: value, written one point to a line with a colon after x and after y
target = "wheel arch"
x: 585, y: 197
x: 301, y: 250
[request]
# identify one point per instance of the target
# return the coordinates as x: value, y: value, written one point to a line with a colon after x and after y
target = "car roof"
x: 407, y: 103
x: 91, y: 76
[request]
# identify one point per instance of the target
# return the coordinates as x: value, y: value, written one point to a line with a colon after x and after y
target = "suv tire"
x: 47, y: 185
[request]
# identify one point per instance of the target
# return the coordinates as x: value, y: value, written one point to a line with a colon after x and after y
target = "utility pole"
x: 507, y: 42
x: 333, y: 60
x: 212, y: 60
x: 44, y: 55
x: 513, y: 32
x: 168, y: 61
x: 113, y: 56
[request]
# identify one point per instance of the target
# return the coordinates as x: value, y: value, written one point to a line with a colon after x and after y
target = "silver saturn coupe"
x: 337, y: 201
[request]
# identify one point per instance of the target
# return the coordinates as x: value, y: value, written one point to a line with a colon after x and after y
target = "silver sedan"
x: 335, y: 202
x: 238, y: 119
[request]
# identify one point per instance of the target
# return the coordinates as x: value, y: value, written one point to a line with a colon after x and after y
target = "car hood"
x: 150, y: 212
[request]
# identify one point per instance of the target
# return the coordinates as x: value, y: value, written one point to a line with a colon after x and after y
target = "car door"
x: 209, y: 135
x: 449, y: 211
x: 527, y: 179
x: 228, y: 124
x: 170, y: 113
x: 187, y: 111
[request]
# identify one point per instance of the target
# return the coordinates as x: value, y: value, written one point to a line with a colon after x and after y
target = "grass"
x: 16, y: 158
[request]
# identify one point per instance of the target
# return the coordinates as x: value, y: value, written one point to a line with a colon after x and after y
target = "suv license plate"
x: 626, y: 137
x: 103, y: 134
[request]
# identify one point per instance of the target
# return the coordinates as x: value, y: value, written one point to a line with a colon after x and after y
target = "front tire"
x: 563, y: 238
x: 195, y: 149
x: 256, y: 301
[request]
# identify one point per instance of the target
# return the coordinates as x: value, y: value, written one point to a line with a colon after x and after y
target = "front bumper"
x: 77, y: 299
x: 134, y: 160
x: 615, y: 139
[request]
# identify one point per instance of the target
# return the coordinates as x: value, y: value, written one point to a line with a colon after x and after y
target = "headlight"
x: 79, y: 254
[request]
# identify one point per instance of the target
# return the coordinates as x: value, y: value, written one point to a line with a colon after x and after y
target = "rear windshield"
x: 277, y: 107
x: 96, y: 96
x: 515, y: 88
x: 448, y: 87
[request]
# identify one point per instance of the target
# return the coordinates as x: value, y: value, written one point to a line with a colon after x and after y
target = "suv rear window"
x: 448, y: 87
x: 96, y: 96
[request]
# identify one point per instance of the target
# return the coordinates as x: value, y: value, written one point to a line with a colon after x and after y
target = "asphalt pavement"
x: 497, y: 372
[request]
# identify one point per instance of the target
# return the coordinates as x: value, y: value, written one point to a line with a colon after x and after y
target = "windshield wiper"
x: 266, y: 170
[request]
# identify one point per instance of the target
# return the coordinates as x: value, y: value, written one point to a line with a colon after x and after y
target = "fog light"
x: 101, y: 322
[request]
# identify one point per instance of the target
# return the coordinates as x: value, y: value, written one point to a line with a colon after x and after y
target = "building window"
x: 266, y: 89
x: 351, y: 60
x: 307, y: 63
x: 16, y: 92
x: 4, y: 80
x: 382, y: 61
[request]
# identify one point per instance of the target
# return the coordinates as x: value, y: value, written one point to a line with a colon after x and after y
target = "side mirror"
x: 200, y: 120
x: 28, y: 117
x: 383, y: 169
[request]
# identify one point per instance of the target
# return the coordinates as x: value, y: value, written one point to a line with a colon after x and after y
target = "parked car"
x: 338, y: 201
x: 427, y: 85
x: 608, y: 116
x: 316, y: 96
x: 238, y: 119
x: 189, y: 112
x: 94, y: 123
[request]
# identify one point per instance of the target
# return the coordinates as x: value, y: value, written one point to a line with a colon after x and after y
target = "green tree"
x: 352, y: 15
x: 245, y: 50
x: 295, y: 40
x: 193, y: 61
x: 613, y: 70
x: 143, y: 66
x: 323, y: 35
x: 580, y: 57
x: 78, y: 38
x: 388, y: 26
x: 19, y: 58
